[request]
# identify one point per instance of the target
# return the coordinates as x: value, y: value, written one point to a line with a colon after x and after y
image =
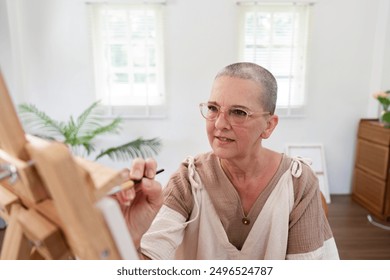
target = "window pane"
x: 257, y: 28
x: 118, y: 55
x: 117, y: 26
x: 121, y: 78
x: 139, y: 78
x: 143, y: 24
x: 283, y: 29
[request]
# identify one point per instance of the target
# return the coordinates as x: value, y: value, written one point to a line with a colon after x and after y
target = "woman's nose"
x: 221, y: 121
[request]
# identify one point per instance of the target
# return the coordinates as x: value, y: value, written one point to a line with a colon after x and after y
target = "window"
x: 274, y: 36
x: 127, y: 42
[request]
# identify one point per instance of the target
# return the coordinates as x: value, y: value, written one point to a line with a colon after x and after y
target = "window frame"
x: 150, y: 106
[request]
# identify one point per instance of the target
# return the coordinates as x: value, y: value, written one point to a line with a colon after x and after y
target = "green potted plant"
x: 80, y: 133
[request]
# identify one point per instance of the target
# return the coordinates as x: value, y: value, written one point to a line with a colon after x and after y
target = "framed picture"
x: 315, y: 154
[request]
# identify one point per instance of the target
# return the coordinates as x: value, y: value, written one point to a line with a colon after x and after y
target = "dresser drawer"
x: 373, y: 158
x: 375, y: 132
x: 370, y: 190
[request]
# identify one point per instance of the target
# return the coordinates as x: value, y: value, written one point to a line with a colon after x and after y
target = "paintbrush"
x: 129, y: 184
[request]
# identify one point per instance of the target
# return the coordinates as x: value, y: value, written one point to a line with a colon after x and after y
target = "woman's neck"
x: 251, y: 177
x: 248, y: 167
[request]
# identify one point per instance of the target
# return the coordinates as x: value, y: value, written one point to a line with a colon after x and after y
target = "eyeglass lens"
x: 234, y: 115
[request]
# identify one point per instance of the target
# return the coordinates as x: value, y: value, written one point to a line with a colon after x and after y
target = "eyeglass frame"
x: 244, y: 109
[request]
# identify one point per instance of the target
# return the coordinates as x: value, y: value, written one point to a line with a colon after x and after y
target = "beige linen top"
x: 307, y: 228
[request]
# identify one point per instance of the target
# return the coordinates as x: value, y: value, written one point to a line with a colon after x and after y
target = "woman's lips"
x: 224, y: 139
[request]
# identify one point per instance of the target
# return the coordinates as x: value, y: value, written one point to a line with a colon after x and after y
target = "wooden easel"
x: 54, y: 204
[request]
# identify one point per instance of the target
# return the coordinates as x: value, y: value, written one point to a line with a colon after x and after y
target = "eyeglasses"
x: 235, y: 115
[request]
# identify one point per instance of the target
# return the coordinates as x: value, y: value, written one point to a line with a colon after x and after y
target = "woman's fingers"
x: 153, y: 191
x: 137, y: 170
x: 150, y: 168
x: 143, y: 168
x: 144, y: 172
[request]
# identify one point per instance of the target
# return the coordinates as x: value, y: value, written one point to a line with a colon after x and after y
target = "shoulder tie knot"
x: 296, y: 166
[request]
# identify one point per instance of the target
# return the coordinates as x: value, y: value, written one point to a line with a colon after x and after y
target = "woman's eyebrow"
x: 240, y: 106
x: 232, y: 106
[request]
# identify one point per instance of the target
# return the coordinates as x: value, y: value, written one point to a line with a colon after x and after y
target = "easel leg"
x: 15, y: 244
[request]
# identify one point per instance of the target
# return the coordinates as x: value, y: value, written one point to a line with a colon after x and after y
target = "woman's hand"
x: 141, y: 203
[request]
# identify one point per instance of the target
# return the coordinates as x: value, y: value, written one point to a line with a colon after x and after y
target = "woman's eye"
x: 213, y: 108
x: 238, y: 113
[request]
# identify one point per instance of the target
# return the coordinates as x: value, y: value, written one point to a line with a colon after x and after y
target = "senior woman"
x: 239, y: 201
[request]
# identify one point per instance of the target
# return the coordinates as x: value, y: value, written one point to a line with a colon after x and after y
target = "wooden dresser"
x: 371, y: 179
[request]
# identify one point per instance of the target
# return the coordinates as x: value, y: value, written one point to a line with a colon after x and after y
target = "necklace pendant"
x: 245, y: 221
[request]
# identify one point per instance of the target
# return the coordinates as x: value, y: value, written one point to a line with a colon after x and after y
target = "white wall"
x: 385, y: 83
x: 54, y: 67
x: 6, y: 64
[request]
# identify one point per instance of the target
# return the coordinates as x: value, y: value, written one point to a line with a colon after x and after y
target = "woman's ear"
x: 272, y: 122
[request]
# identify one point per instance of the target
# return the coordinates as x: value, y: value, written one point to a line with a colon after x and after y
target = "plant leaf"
x: 38, y: 120
x: 88, y: 120
x: 137, y: 148
x: 112, y: 127
x: 386, y: 117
